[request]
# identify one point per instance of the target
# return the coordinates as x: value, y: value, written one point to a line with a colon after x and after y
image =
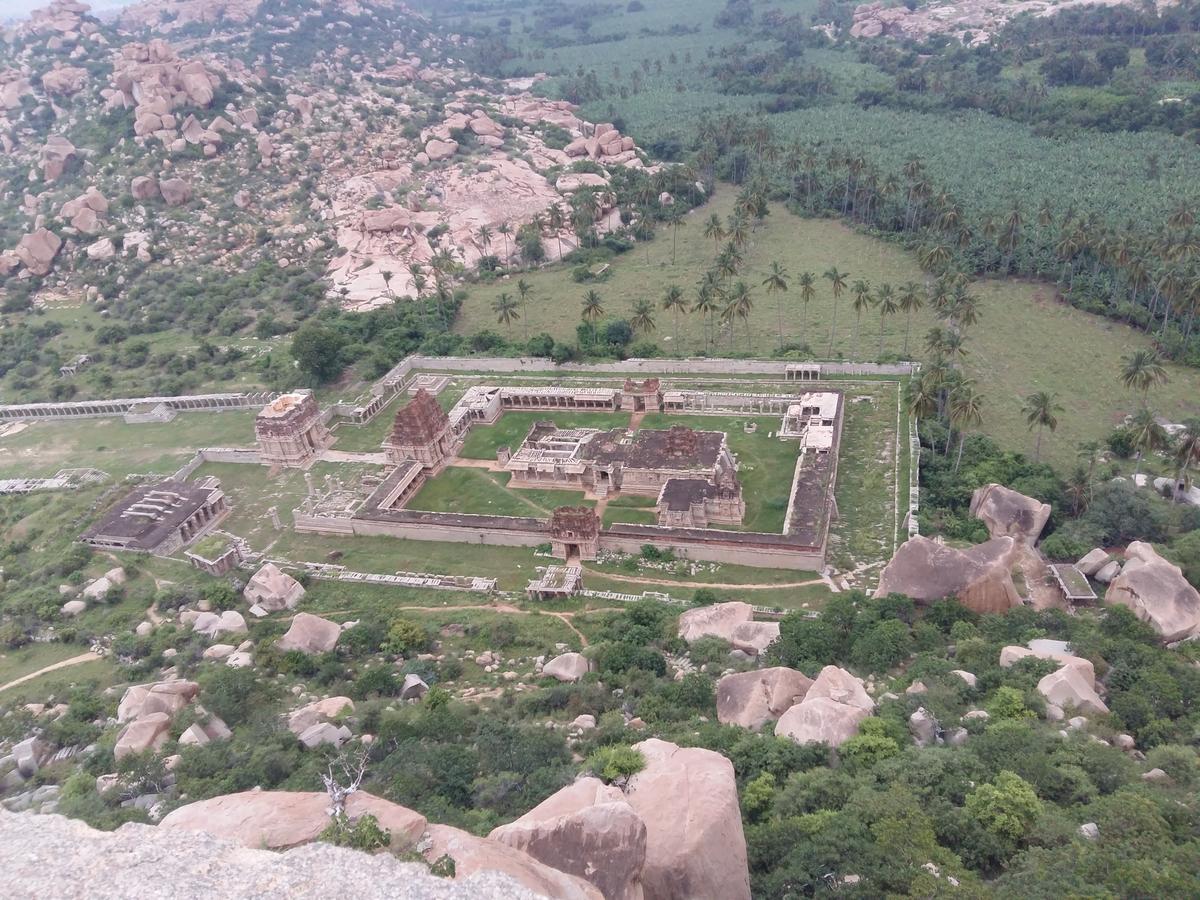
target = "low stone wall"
x: 84, y: 409
x: 249, y: 455
x: 701, y: 366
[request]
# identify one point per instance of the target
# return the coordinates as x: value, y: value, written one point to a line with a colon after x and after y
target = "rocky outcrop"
x: 474, y: 854
x: 695, y: 846
x: 146, y: 732
x: 589, y: 830
x: 1008, y: 512
x: 732, y: 622
x: 299, y: 720
x: 567, y: 667
x: 1157, y: 592
x: 439, y: 150
x: 64, y: 81
x: 54, y: 157
x: 45, y: 855
x: 201, y: 734
x: 310, y: 634
x: 979, y: 577
x: 1070, y: 688
x: 272, y: 589
x: 158, y: 697
x: 830, y: 712
x: 751, y: 699
x: 276, y: 820
x: 1093, y: 561
x: 212, y: 625
x: 144, y: 187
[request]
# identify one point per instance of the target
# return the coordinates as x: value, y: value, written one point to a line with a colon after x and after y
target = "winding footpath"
x: 54, y: 667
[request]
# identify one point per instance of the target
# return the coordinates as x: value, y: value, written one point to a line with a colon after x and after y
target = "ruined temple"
x: 575, y: 532
x: 289, y: 430
x: 422, y: 432
x: 644, y: 397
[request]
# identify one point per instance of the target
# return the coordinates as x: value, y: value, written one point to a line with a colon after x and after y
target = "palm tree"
x: 922, y: 399
x: 673, y: 302
x: 505, y: 229
x: 556, y: 219
x: 837, y: 281
x: 524, y: 289
x: 505, y: 308
x: 776, y: 283
x: 714, y: 230
x: 935, y: 257
x: 483, y: 236
x: 910, y: 302
x: 862, y: 301
x: 887, y: 307
x: 1187, y: 453
x: 1148, y: 436
x: 387, y: 282
x: 675, y: 219
x: 708, y: 293
x: 808, y: 290
x: 1079, y: 489
x: 643, y: 316
x: 966, y: 412
x: 739, y: 231
x: 1040, y: 412
x: 593, y: 309
x: 1142, y: 370
x: 740, y: 305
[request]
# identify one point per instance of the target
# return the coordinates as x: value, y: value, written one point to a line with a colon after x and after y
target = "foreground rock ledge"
x: 53, y: 856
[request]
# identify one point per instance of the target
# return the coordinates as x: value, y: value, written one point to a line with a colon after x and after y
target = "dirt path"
x: 699, y: 584
x: 489, y: 464
x: 507, y: 609
x: 54, y: 667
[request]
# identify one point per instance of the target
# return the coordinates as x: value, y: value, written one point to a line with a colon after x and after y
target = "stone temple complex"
x: 422, y: 432
x: 289, y: 430
x: 160, y: 518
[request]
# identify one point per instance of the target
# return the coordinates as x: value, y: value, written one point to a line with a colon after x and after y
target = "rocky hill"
x: 344, y: 137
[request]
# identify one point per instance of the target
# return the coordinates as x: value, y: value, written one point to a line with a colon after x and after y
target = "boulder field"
x: 733, y: 622
x: 979, y: 577
x: 831, y: 711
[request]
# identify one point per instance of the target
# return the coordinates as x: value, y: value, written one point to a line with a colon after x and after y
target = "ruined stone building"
x: 643, y: 463
x: 160, y: 518
x: 575, y: 533
x: 422, y: 431
x: 696, y: 503
x: 289, y: 430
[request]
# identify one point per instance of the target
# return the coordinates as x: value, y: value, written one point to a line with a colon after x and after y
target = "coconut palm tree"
x: 673, y: 302
x: 483, y: 237
x: 1142, y: 370
x: 1147, y: 435
x: 505, y: 308
x: 557, y: 219
x: 524, y: 289
x: 674, y: 219
x: 808, y: 291
x: 910, y: 302
x: 1040, y: 411
x: 739, y: 305
x: 922, y: 399
x: 862, y: 302
x: 1079, y: 489
x: 966, y: 412
x: 708, y: 300
x: 642, y: 319
x: 1187, y: 453
x: 387, y: 282
x: 593, y: 310
x: 715, y: 230
x: 505, y: 229
x: 837, y: 281
x: 776, y: 283
x: 886, y: 299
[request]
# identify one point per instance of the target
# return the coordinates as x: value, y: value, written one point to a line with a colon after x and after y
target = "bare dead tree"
x: 342, y: 778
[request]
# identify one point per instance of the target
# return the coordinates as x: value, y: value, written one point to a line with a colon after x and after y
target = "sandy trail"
x: 54, y: 667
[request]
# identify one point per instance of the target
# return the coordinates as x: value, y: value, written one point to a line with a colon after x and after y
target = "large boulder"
x: 159, y: 697
x: 1046, y: 650
x: 979, y: 577
x: 144, y: 187
x: 1157, y: 592
x: 273, y: 589
x: 1093, y: 561
x: 54, y: 156
x: 733, y: 622
x: 842, y: 687
x: 38, y: 249
x: 438, y: 150
x: 821, y: 721
x: 567, y: 667
x: 175, y: 191
x: 475, y: 854
x: 310, y: 634
x: 695, y: 846
x: 146, y: 732
x: 751, y: 699
x: 300, y: 720
x: 324, y: 734
x: 213, y: 625
x: 29, y: 755
x: 1010, y: 513
x: 1070, y: 688
x: 587, y: 829
x: 275, y: 820
x: 201, y: 734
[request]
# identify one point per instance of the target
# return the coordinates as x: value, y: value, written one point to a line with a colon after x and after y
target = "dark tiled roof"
x: 149, y: 514
x: 680, y: 493
x: 674, y: 448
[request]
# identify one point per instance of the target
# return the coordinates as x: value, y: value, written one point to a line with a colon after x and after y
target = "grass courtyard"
x: 511, y: 428
x: 480, y: 492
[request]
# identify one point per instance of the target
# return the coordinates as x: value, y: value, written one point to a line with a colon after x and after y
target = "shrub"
x: 363, y: 833
x: 406, y: 636
x: 616, y: 762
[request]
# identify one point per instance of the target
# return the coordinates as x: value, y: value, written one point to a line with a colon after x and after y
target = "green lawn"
x: 20, y: 662
x: 766, y: 464
x: 510, y: 430
x: 631, y: 509
x: 118, y: 448
x: 477, y: 491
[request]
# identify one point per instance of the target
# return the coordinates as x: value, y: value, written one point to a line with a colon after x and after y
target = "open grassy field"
x: 631, y: 509
x: 119, y: 449
x: 478, y: 491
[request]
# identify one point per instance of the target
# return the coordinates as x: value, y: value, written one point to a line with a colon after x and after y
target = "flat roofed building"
x: 289, y: 430
x: 555, y: 582
x: 696, y: 503
x: 160, y: 518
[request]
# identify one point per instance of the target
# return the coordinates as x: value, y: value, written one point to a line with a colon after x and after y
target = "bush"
x: 406, y: 636
x: 612, y: 763
x: 363, y: 833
